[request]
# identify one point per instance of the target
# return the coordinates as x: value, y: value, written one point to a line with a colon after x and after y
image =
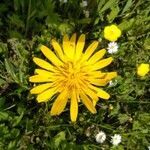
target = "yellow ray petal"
x: 90, y: 50
x: 57, y: 49
x: 38, y: 79
x: 101, y: 64
x: 111, y: 75
x: 98, y: 82
x: 88, y: 103
x: 72, y: 45
x: 73, y: 107
x: 91, y: 94
x: 95, y: 101
x: 43, y: 64
x: 96, y: 74
x: 80, y: 46
x: 102, y: 94
x: 97, y: 56
x: 44, y: 73
x: 103, y: 81
x: 60, y: 103
x: 66, y: 47
x: 50, y: 55
x: 40, y: 88
x: 46, y: 95
x: 69, y: 46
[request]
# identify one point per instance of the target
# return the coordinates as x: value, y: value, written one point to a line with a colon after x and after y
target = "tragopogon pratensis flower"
x: 73, y: 74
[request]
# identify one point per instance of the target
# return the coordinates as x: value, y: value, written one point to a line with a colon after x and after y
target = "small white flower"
x: 112, y: 83
x: 116, y: 139
x: 86, y: 13
x: 148, y: 147
x: 112, y: 47
x: 100, y: 137
x: 83, y: 4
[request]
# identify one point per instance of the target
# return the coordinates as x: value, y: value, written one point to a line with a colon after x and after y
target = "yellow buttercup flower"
x: 143, y: 69
x: 112, y: 33
x: 73, y: 75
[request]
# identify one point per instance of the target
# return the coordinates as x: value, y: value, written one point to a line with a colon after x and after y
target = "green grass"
x: 27, y: 125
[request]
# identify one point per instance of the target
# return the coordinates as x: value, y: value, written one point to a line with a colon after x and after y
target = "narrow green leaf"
x: 100, y: 4
x: 3, y: 116
x: 126, y: 24
x: 17, y: 119
x: 10, y: 70
x: 127, y: 6
x: 108, y: 5
x: 59, y: 138
x: 113, y: 14
x: 123, y: 118
x: 2, y: 81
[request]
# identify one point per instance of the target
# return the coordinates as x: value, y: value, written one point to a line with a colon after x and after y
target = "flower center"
x: 72, y: 75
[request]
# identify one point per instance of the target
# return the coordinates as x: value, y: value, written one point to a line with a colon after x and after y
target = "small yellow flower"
x: 143, y: 69
x: 111, y: 107
x: 73, y: 75
x: 112, y: 33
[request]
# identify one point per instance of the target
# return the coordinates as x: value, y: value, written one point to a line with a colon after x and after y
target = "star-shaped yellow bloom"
x: 73, y: 75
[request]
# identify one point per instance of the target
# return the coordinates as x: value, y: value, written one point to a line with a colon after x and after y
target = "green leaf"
x: 113, y: 14
x: 147, y: 44
x: 108, y: 5
x: 12, y: 145
x: 126, y: 24
x: 15, y: 34
x: 2, y: 82
x: 123, y: 118
x: 100, y: 4
x: 65, y: 28
x: 16, y: 21
x: 115, y: 110
x: 3, y: 116
x: 84, y: 21
x: 127, y: 6
x: 10, y: 70
x: 59, y: 138
x: 3, y: 47
x: 2, y: 103
x: 136, y: 125
x: 17, y: 119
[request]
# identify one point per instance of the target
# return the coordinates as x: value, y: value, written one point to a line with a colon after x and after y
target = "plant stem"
x: 28, y: 18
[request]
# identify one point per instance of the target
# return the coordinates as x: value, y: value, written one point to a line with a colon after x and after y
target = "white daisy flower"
x: 100, y: 137
x: 86, y: 13
x: 84, y: 3
x: 112, y: 47
x: 116, y: 139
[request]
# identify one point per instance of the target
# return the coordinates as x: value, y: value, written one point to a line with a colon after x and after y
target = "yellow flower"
x: 112, y: 33
x: 72, y: 75
x: 143, y: 69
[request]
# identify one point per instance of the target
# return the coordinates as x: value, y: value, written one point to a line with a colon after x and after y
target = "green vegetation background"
x: 27, y: 125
